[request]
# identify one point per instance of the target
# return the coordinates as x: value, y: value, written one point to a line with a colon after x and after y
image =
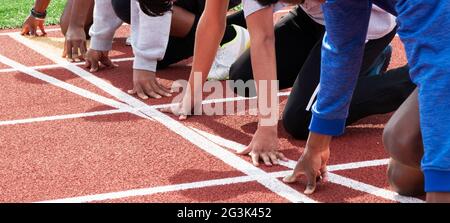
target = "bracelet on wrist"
x: 38, y: 15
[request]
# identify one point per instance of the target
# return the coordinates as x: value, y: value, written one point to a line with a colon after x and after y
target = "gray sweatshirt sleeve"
x: 105, y: 25
x: 150, y: 36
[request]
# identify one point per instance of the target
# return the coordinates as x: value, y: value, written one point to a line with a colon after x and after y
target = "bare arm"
x: 210, y: 31
x: 260, y: 26
x: 79, y: 13
x: 264, y: 145
x: 41, y: 5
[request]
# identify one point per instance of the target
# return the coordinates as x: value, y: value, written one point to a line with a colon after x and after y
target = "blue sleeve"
x: 346, y: 24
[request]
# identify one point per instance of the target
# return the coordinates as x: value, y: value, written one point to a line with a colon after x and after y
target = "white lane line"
x: 367, y: 126
x: 163, y: 189
x: 229, y: 158
x: 46, y: 30
x: 18, y: 32
x: 113, y: 111
x: 226, y: 156
x: 64, y: 85
x: 358, y: 165
x: 55, y: 66
x: 380, y: 192
x: 230, y: 144
x: 100, y: 83
x: 62, y: 117
x: 347, y: 182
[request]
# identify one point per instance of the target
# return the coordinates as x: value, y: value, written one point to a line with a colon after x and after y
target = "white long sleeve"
x: 150, y: 36
x: 105, y: 25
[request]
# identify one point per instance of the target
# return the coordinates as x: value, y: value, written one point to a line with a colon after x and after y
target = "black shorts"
x: 122, y: 7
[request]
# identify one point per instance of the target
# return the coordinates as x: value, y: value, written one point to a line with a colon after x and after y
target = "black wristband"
x: 38, y: 15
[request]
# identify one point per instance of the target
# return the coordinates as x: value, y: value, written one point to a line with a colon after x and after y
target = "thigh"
x: 402, y: 136
x: 122, y: 8
x: 297, y: 113
x: 373, y: 49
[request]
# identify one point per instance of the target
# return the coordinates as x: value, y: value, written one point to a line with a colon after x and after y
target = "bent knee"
x: 403, y: 146
x: 405, y: 180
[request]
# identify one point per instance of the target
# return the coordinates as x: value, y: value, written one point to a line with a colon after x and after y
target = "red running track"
x: 58, y: 144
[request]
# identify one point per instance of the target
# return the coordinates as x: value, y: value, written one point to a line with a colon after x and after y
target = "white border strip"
x: 313, y: 97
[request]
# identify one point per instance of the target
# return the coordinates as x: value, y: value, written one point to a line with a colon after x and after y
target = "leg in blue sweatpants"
x: 424, y: 27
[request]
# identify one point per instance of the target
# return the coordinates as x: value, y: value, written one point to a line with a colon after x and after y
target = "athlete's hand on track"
x: 145, y: 85
x: 313, y: 162
x: 31, y: 25
x: 75, y: 44
x: 95, y: 58
x: 264, y: 146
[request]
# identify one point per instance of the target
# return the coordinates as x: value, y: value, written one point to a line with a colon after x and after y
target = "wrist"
x: 268, y: 129
x: 37, y: 14
x: 318, y: 142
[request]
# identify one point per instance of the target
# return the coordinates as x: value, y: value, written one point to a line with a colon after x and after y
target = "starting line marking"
x: 117, y: 111
x: 333, y: 178
x: 164, y: 189
x: 175, y: 126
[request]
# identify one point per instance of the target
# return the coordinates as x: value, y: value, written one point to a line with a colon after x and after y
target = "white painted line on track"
x: 56, y: 66
x: 334, y: 178
x: 226, y: 156
x: 113, y: 111
x: 64, y: 85
x: 163, y: 189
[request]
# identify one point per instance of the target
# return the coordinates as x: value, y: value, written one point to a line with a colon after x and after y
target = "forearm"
x: 263, y: 59
x: 209, y: 33
x: 41, y: 5
x: 79, y: 13
x: 318, y: 142
x: 342, y: 52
